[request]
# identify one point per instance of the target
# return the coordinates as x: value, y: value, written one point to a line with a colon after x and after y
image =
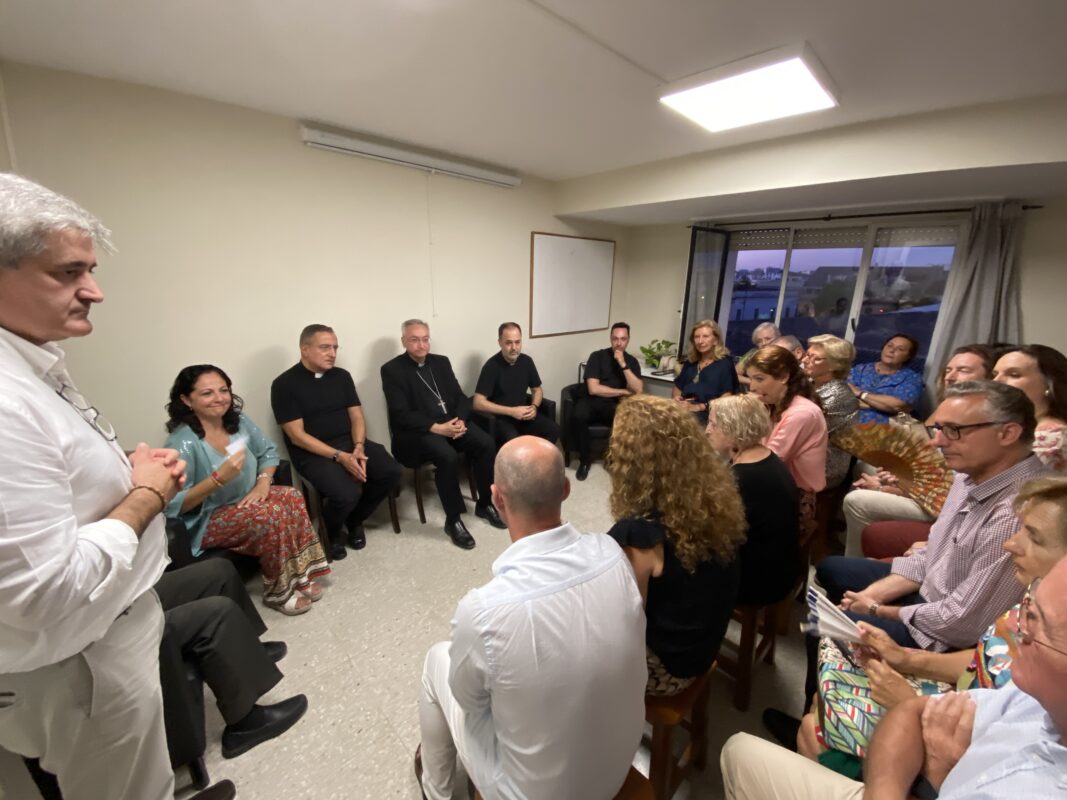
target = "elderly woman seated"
x: 827, y: 362
x: 228, y: 500
x: 680, y: 520
x: 887, y: 387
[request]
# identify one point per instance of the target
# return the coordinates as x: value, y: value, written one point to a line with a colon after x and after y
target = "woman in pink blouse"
x: 799, y: 436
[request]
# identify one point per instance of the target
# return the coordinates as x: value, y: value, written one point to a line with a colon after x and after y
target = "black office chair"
x: 598, y: 431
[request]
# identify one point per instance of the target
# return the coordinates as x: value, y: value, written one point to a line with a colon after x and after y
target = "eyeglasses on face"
x: 952, y: 432
x: 88, y: 412
x: 1022, y: 636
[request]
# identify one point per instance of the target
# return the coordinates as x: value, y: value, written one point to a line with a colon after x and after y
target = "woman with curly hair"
x: 737, y: 426
x: 1040, y: 372
x: 680, y: 520
x: 707, y: 372
x: 228, y: 500
x: 799, y: 436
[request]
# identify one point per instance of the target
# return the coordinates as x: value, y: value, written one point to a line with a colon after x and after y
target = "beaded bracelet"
x: 218, y: 481
x: 266, y: 475
x: 153, y: 490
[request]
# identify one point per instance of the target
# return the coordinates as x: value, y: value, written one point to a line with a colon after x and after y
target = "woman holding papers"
x: 229, y: 501
x: 852, y: 699
x: 680, y: 520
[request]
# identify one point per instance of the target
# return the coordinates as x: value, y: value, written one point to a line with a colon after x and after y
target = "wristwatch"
x: 336, y: 455
x: 872, y: 609
x: 863, y: 396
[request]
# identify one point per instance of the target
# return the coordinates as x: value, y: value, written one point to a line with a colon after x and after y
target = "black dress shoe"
x: 223, y: 790
x: 260, y: 724
x: 583, y: 471
x: 782, y: 727
x: 276, y: 651
x: 337, y: 551
x: 489, y: 513
x: 458, y: 533
x: 357, y: 539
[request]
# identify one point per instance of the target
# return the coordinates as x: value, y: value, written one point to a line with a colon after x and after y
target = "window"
x: 863, y: 282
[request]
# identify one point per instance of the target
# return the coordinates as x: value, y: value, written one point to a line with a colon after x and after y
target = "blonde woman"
x: 680, y: 520
x: 707, y: 371
x: 737, y: 427
x: 827, y: 362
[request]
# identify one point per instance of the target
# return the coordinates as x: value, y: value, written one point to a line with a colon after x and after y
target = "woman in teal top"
x: 229, y: 501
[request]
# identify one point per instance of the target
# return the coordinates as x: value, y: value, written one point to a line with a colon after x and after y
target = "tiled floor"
x: 358, y: 657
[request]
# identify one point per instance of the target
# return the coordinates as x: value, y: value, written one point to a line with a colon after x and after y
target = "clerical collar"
x: 319, y: 374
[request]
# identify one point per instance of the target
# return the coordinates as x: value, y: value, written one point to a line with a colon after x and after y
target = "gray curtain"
x: 981, y: 302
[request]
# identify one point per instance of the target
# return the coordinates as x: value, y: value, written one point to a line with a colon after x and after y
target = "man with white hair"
x: 82, y: 538
x: 541, y: 691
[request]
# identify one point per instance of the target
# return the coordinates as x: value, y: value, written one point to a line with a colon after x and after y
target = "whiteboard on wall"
x: 570, y: 283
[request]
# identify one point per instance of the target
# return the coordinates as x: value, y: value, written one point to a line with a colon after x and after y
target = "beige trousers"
x: 95, y: 719
x: 864, y: 506
x: 755, y: 769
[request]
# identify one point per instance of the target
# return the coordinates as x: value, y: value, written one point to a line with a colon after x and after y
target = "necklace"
x: 433, y: 389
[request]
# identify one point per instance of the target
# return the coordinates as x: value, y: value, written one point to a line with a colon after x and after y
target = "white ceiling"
x: 552, y: 88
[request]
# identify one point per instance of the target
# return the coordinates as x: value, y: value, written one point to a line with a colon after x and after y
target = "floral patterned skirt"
x: 660, y: 681
x: 278, y: 532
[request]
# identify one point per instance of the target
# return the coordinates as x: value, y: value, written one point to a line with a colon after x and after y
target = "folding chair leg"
x: 393, y: 513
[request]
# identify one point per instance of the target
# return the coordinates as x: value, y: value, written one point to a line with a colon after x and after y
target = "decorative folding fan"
x: 919, y: 467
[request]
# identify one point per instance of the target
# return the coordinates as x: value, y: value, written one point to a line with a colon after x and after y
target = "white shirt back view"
x: 548, y: 665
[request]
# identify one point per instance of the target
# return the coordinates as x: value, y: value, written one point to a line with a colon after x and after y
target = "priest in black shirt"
x: 319, y: 411
x: 428, y: 415
x: 502, y: 391
x: 610, y: 375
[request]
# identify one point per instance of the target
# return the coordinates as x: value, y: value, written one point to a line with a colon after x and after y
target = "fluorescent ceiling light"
x: 780, y: 83
x: 404, y: 155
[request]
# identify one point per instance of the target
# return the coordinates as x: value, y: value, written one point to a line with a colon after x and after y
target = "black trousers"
x: 444, y: 454
x: 210, y: 617
x: 346, y: 500
x: 508, y: 428
x: 589, y: 410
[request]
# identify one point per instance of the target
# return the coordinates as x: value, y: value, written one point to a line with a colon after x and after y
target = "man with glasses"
x: 82, y: 540
x: 428, y: 414
x: 316, y: 404
x: 942, y: 597
x: 983, y: 743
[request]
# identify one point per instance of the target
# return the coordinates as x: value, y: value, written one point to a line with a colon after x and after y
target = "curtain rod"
x: 831, y: 217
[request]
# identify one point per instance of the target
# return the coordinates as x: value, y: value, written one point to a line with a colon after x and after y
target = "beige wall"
x: 657, y: 259
x: 1043, y: 273
x: 233, y: 236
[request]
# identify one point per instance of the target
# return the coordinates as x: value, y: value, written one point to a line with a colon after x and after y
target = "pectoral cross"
x: 442, y: 404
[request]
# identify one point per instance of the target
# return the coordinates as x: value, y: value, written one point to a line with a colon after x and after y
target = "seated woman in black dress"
x: 707, y: 371
x: 770, y: 560
x: 680, y: 520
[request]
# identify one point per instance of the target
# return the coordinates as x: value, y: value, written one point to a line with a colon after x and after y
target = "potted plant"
x: 655, y: 351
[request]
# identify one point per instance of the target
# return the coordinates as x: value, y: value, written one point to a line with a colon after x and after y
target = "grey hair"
x: 30, y: 213
x: 761, y: 327
x: 411, y: 323
x: 789, y: 342
x: 533, y: 485
x: 1004, y: 404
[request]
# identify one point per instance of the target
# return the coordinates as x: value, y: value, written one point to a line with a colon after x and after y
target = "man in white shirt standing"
x: 82, y: 540
x: 541, y: 691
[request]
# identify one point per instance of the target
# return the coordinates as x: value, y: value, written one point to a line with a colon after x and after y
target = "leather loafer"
x: 337, y: 551
x: 460, y: 536
x: 583, y: 471
x: 223, y: 790
x: 489, y: 513
x: 276, y: 651
x: 262, y: 723
x: 357, y: 539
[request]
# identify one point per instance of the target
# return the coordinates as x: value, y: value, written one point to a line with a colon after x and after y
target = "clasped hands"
x: 158, y: 467
x: 355, y: 462
x: 453, y: 429
x: 523, y: 413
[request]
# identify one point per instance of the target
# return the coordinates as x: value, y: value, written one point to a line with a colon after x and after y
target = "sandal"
x: 290, y: 607
x: 312, y: 591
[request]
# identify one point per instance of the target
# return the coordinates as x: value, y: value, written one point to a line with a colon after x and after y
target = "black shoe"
x: 489, y: 513
x: 260, y: 724
x: 782, y: 727
x: 276, y: 651
x: 223, y: 790
x: 357, y: 539
x: 458, y: 533
x: 337, y: 551
x: 418, y: 769
x: 583, y: 471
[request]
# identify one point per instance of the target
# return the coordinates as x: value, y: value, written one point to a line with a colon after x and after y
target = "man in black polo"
x: 502, y: 391
x: 319, y: 411
x: 610, y: 375
x: 428, y: 414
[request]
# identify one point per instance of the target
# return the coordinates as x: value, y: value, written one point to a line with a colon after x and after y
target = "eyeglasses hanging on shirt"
x: 88, y: 412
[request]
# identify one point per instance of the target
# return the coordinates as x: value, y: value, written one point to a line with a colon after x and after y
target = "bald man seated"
x: 541, y: 691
